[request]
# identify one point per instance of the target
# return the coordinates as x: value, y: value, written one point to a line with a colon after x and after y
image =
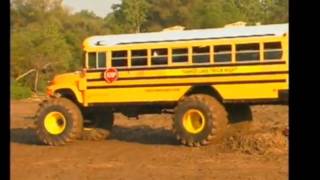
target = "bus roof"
x: 196, y: 34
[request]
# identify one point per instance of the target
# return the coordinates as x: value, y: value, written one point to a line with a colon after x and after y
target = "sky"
x: 99, y: 7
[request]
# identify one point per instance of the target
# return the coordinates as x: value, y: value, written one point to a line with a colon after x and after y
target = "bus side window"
x: 139, y: 58
x: 222, y: 53
x: 92, y: 61
x: 159, y: 56
x: 247, y: 52
x: 101, y: 60
x: 119, y: 59
x: 272, y: 51
x: 180, y: 55
x: 201, y: 54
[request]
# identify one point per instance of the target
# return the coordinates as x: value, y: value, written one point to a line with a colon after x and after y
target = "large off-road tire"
x: 199, y: 119
x: 58, y: 121
x: 101, y: 126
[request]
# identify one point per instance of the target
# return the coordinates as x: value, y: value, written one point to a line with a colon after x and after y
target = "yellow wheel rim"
x: 55, y: 123
x: 193, y: 121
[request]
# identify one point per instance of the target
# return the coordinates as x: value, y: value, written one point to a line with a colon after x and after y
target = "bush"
x: 19, y: 91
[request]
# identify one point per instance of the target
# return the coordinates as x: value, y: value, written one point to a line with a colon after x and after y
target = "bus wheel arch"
x: 204, y: 89
x: 69, y: 94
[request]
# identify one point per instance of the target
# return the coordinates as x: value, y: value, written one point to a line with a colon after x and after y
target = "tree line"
x: 46, y: 38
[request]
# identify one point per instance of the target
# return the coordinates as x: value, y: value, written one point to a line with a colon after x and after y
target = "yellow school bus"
x: 193, y: 74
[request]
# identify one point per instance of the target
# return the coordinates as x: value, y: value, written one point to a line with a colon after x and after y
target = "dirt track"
x: 146, y: 149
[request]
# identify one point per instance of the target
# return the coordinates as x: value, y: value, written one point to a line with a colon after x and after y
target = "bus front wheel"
x: 58, y: 121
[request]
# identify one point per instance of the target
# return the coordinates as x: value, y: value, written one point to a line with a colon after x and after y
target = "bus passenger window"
x: 139, y: 58
x: 248, y: 52
x: 272, y: 51
x: 101, y: 60
x: 180, y: 55
x: 92, y: 60
x: 222, y: 53
x: 159, y: 56
x: 119, y: 59
x: 201, y: 54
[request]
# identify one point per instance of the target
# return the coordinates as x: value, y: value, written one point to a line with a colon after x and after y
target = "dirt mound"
x: 266, y: 134
x: 258, y: 143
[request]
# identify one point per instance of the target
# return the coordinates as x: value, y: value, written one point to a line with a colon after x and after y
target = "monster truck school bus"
x: 193, y: 73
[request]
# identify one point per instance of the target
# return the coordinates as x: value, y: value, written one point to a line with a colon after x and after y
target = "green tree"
x: 128, y: 16
x: 166, y: 13
x: 46, y: 36
x: 135, y: 13
x: 115, y: 21
x: 38, y: 46
x: 275, y: 11
x: 81, y: 25
x: 251, y: 9
x: 216, y: 13
x: 29, y: 11
x: 192, y: 13
x: 264, y: 11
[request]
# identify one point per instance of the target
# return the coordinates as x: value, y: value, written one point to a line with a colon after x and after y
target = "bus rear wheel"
x: 199, y: 119
x: 58, y: 121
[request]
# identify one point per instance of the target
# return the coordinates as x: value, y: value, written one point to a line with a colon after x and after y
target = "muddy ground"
x: 147, y: 149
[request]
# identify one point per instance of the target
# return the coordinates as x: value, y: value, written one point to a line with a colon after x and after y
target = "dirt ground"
x: 147, y: 149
